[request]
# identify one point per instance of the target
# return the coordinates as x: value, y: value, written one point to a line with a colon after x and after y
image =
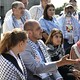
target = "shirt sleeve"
x: 34, y: 66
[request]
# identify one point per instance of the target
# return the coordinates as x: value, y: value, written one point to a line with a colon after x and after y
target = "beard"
x: 69, y: 13
x: 37, y: 37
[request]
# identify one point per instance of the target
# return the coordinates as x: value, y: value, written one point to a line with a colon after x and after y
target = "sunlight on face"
x: 56, y: 39
x: 19, y: 10
x: 37, y: 31
x: 50, y: 11
x: 23, y: 45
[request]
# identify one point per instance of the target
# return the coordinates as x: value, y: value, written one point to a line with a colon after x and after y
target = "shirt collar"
x: 11, y: 52
x: 34, y: 44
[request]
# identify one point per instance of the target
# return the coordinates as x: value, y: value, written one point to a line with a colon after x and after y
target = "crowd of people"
x: 36, y: 45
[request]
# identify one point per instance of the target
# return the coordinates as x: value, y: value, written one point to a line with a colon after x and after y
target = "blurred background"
x: 5, y: 5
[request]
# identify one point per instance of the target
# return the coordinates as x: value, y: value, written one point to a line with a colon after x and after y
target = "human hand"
x: 65, y: 61
x: 76, y: 74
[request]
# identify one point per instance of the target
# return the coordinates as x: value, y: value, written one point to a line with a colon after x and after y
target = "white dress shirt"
x: 17, y: 59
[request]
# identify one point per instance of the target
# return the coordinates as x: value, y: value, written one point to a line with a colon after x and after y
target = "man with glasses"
x: 26, y: 14
x: 16, y: 19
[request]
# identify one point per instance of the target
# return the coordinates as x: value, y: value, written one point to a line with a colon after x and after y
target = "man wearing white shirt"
x: 76, y: 13
x: 70, y: 28
x: 37, y: 10
x: 26, y: 12
x: 16, y: 19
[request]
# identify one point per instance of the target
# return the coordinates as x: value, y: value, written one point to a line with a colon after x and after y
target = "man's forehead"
x: 21, y: 5
x: 36, y: 25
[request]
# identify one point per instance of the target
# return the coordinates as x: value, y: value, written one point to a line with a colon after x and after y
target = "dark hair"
x: 45, y: 15
x: 11, y: 39
x: 71, y: 1
x: 18, y: 0
x: 15, y: 4
x: 53, y: 33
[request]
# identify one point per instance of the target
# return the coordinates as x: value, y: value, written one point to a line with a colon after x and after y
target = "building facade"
x: 5, y: 5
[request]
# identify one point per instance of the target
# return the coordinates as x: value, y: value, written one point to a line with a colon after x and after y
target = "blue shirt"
x: 40, y: 53
x: 48, y: 25
x: 75, y: 24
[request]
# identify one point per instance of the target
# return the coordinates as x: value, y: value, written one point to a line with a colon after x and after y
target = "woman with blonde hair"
x: 11, y: 64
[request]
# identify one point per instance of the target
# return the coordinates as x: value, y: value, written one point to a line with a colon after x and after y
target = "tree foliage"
x: 58, y: 10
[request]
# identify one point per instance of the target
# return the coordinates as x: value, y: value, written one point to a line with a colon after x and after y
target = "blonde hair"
x: 11, y: 39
